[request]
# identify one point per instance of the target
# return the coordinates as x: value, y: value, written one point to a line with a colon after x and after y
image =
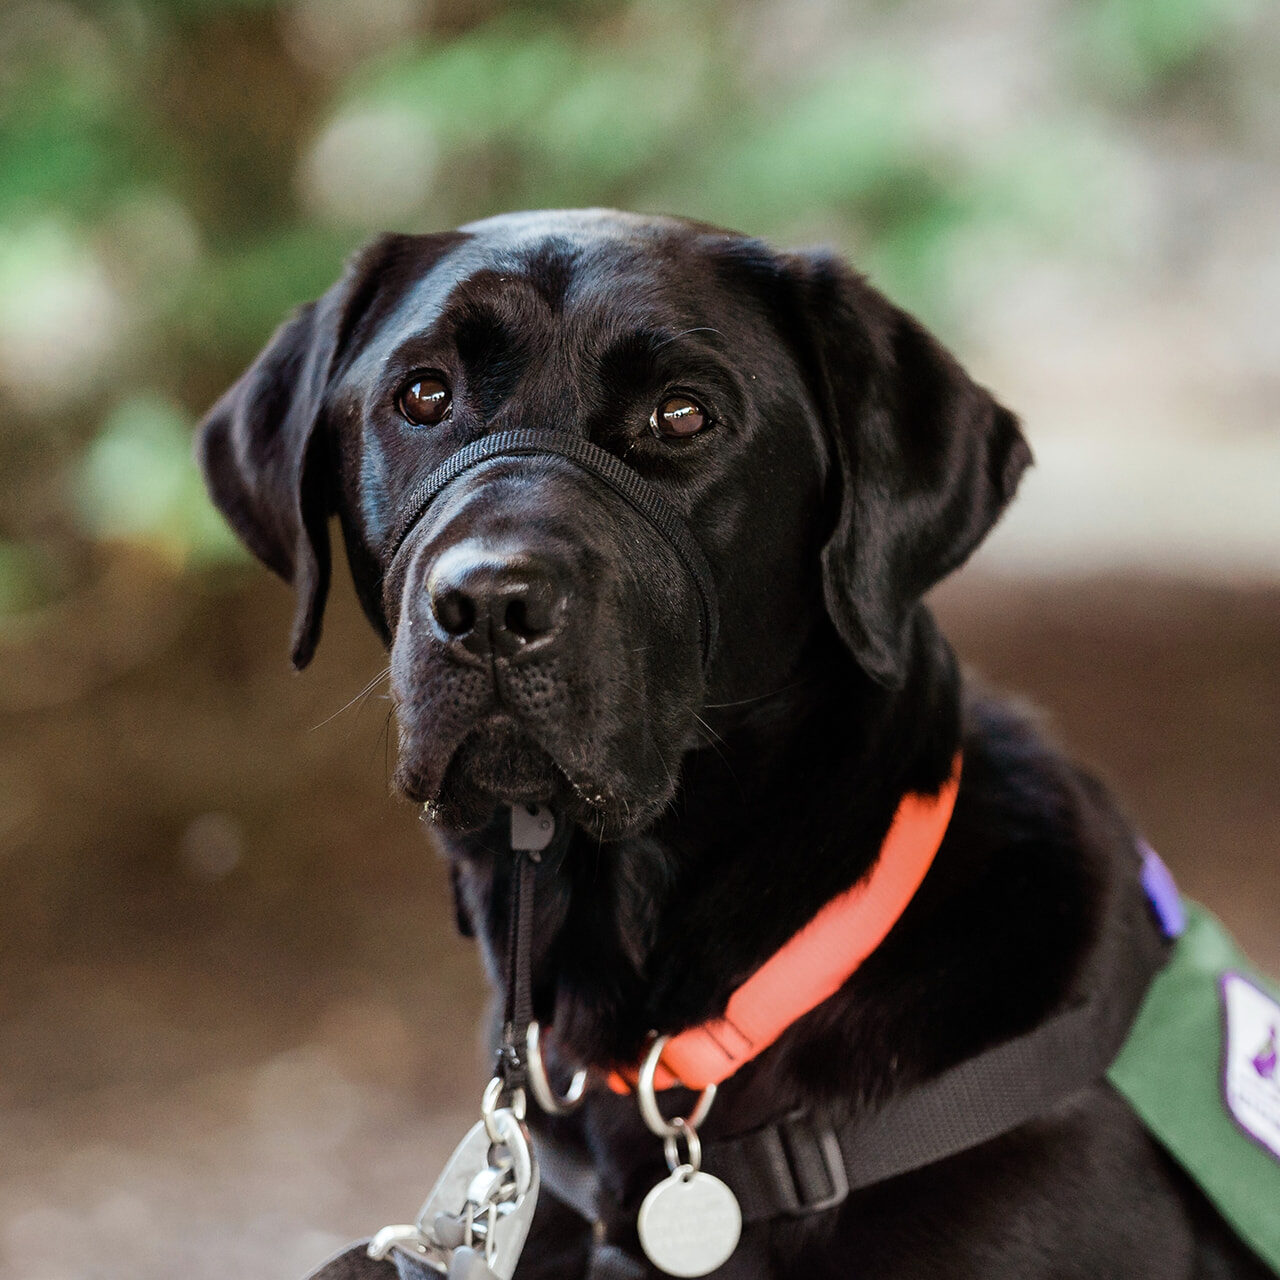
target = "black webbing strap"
x: 802, y: 1164
x: 627, y: 483
x: 511, y: 1063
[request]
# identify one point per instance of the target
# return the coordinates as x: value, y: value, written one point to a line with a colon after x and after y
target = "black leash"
x: 535, y: 838
x: 538, y: 838
x: 511, y: 1065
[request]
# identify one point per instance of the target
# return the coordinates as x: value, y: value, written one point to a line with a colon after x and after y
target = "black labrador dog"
x: 833, y: 462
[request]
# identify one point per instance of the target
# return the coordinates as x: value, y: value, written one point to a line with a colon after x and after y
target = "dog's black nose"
x: 490, y: 603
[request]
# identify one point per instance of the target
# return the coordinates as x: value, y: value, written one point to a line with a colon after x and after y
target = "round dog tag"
x: 689, y: 1223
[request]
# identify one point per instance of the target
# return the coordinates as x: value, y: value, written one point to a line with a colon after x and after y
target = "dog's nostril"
x: 455, y: 612
x: 528, y: 617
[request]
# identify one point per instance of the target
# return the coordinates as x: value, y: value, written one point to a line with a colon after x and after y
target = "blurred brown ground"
x: 236, y: 1026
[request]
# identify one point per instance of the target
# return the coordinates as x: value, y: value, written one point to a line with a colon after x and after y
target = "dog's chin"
x: 498, y: 763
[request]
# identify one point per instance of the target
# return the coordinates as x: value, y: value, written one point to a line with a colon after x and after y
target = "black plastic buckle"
x: 799, y: 1130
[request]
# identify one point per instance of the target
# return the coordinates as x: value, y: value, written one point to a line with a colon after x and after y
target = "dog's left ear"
x: 265, y: 464
x: 255, y: 447
x: 925, y: 459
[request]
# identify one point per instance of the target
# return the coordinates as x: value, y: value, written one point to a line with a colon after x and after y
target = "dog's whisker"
x: 666, y: 764
x: 385, y: 737
x: 360, y: 697
x: 707, y: 727
x: 714, y: 742
x: 759, y: 697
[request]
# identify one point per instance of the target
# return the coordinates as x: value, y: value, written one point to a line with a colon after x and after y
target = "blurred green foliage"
x: 176, y: 174
x: 136, y: 483
x: 1137, y: 46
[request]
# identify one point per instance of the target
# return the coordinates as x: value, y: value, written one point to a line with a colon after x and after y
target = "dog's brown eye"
x: 424, y: 400
x: 679, y: 416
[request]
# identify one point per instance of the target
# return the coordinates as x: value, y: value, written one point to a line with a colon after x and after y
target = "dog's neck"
x: 785, y: 807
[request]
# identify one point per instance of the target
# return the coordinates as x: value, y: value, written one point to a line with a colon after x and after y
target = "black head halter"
x: 627, y: 483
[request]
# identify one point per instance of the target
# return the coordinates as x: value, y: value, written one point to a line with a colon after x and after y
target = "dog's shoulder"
x: 1023, y: 796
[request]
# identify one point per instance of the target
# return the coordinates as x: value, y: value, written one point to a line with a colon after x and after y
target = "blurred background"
x: 236, y: 1028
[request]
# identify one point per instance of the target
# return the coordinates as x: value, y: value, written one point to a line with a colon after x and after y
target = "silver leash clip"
x: 474, y: 1223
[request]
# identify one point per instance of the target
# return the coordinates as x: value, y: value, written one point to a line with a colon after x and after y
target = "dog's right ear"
x: 924, y: 460
x: 264, y: 461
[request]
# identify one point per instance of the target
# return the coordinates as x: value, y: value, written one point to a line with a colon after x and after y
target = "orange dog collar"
x: 818, y: 960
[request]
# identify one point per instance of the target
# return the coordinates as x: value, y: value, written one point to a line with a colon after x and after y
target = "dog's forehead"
x: 570, y: 266
x: 591, y: 235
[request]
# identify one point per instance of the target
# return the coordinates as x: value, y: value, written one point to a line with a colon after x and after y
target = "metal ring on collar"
x: 671, y: 1148
x: 552, y: 1103
x: 493, y: 1092
x: 648, y: 1099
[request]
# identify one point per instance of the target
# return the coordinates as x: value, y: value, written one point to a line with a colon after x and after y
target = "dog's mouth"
x: 497, y: 763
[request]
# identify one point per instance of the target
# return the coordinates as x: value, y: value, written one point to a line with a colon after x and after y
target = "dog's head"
x: 830, y: 458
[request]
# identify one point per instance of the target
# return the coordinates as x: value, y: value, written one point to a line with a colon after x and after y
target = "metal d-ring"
x: 552, y: 1103
x: 648, y: 1099
x: 489, y: 1109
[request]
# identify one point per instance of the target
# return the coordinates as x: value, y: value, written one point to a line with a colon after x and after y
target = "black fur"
x: 851, y: 466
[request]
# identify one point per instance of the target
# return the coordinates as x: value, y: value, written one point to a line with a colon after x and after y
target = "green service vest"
x: 1201, y: 1069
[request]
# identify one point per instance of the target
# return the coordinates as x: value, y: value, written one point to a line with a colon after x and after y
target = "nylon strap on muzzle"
x: 627, y: 483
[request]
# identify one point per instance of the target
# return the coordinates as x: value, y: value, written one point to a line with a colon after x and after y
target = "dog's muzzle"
x: 623, y: 480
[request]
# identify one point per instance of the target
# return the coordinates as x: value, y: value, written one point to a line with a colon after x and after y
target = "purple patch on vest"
x: 1162, y: 892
